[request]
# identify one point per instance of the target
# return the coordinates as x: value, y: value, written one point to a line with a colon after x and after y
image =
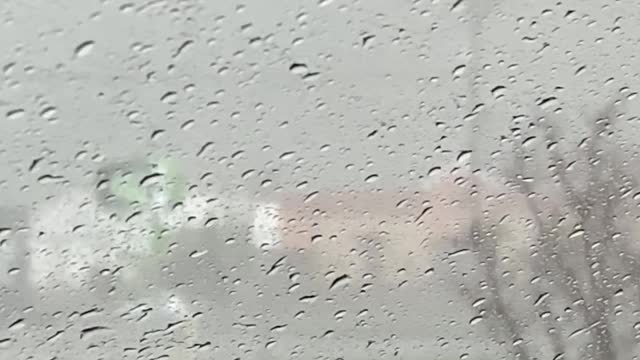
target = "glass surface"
x: 319, y: 179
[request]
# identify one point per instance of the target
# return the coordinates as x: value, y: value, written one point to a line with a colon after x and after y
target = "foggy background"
x: 280, y: 99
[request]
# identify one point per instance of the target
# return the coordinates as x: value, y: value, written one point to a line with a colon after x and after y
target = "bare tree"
x: 570, y: 288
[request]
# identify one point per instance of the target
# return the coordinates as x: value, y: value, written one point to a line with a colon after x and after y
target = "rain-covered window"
x: 319, y: 179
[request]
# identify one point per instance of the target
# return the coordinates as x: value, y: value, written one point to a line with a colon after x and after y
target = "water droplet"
x: 279, y: 328
x: 277, y: 265
x: 151, y: 179
x: 311, y: 196
x: 547, y: 103
x: 459, y: 70
x: 170, y: 97
x: 84, y: 48
x: 459, y: 252
x: 53, y: 337
x: 155, y: 135
x: 93, y: 330
x: 48, y: 112
x: 247, y: 174
x: 187, y: 124
x: 198, y: 253
x: 340, y: 281
x: 498, y: 91
x: 576, y: 233
x: 15, y: 114
x: 464, y: 156
x: 457, y: 5
x: 435, y: 171
x: 183, y: 48
x: 208, y: 145
x: 308, y: 298
x: 34, y: 164
x: 312, y: 76
x: 50, y: 179
x: 298, y: 69
x: 371, y: 178
x: 287, y: 155
x: 367, y: 40
x: 541, y: 298
x: 210, y: 222
x: 530, y: 141
x: 17, y: 325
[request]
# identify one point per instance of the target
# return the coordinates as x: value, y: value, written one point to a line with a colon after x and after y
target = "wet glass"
x: 325, y: 179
